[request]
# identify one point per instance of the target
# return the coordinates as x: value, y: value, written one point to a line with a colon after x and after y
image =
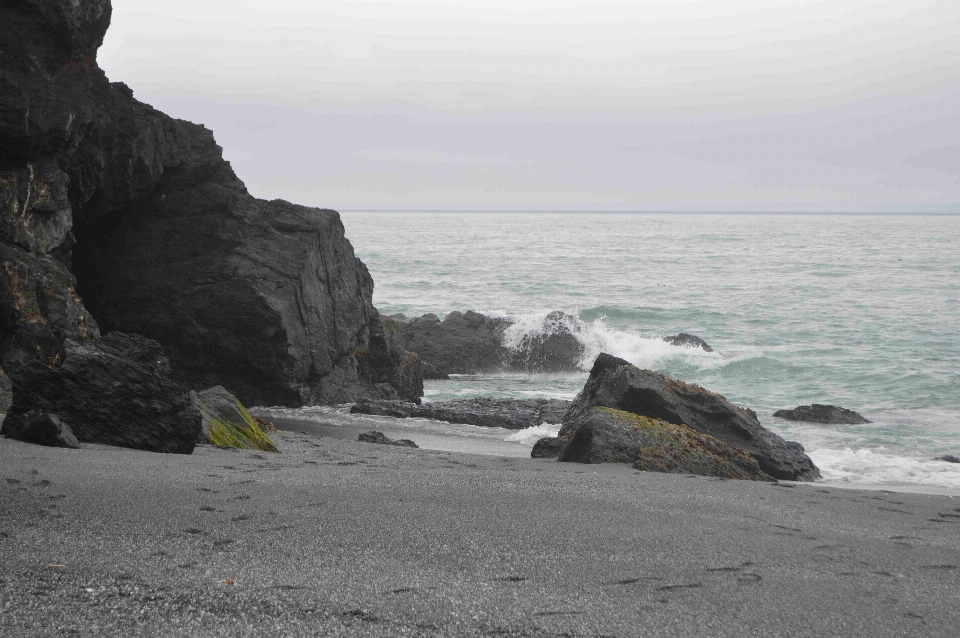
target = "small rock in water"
x: 684, y: 339
x: 817, y: 413
x: 949, y: 458
x: 549, y: 447
x: 383, y: 439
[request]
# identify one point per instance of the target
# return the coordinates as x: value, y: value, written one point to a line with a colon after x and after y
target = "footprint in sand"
x: 634, y: 580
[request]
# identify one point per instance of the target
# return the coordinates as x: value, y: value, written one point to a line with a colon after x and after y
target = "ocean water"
x: 858, y: 311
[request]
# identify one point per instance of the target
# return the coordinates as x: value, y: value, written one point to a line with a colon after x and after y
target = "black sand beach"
x: 334, y: 537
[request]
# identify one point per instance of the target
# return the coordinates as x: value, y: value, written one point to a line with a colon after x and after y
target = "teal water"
x: 857, y: 311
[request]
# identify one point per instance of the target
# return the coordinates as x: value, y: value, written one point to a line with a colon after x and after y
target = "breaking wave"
x: 644, y: 351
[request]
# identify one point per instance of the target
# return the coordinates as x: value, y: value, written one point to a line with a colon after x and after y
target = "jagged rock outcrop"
x: 512, y: 414
x: 265, y: 298
x: 470, y: 343
x: 817, y: 413
x: 618, y: 385
x: 117, y: 390
x: 689, y: 341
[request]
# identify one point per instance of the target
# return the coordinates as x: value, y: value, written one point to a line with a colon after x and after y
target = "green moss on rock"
x: 227, y: 423
x: 667, y: 447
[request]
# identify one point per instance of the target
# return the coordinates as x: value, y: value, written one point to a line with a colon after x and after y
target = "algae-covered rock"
x: 605, y: 435
x: 615, y: 383
x: 266, y: 425
x: 225, y: 422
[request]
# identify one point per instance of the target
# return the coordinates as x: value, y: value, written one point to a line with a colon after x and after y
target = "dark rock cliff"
x: 113, y: 210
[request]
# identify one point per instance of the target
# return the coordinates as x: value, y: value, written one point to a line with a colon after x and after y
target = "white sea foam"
x: 597, y: 337
x: 879, y: 466
x: 531, y: 435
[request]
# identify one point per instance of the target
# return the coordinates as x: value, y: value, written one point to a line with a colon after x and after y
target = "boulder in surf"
x: 621, y: 386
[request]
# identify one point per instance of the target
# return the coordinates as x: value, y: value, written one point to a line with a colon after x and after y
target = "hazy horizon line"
x: 639, y: 212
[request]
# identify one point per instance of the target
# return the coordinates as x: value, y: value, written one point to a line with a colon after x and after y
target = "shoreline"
x: 461, y: 445
x: 334, y: 537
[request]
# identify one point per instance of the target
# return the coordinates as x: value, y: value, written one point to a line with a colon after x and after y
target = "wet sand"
x: 334, y: 537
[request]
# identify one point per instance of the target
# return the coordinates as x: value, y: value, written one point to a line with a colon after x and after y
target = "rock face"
x: 44, y: 428
x: 224, y: 421
x: 512, y: 414
x: 471, y: 343
x: 616, y: 384
x: 605, y: 435
x: 688, y: 340
x: 265, y: 298
x: 117, y: 390
x: 379, y: 437
x: 818, y: 413
x: 6, y: 394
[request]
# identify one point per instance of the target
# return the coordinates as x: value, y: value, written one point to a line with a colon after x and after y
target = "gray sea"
x: 854, y: 310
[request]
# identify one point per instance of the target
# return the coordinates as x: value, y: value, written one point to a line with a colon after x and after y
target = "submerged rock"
x: 117, y: 390
x: 549, y: 447
x: 512, y: 414
x: 817, y: 413
x: 605, y: 435
x: 617, y: 384
x: 949, y: 458
x: 225, y: 422
x: 684, y: 339
x: 379, y: 437
x: 43, y: 428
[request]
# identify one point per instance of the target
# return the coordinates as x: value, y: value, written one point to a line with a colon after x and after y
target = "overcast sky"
x: 685, y: 105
